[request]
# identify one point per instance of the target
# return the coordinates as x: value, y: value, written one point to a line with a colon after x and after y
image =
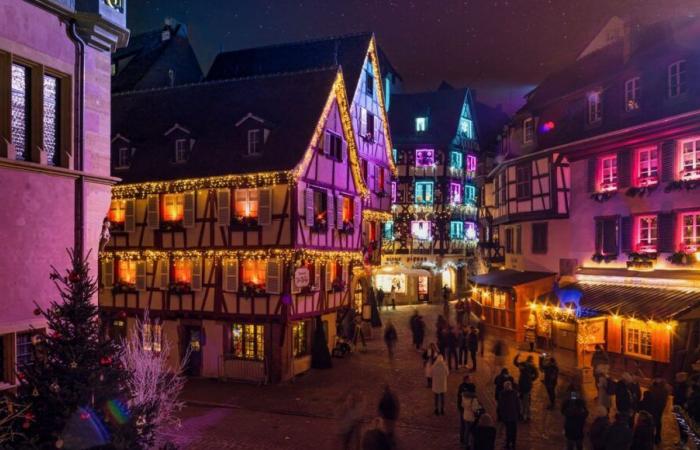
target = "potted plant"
x: 180, y: 287
x: 122, y: 287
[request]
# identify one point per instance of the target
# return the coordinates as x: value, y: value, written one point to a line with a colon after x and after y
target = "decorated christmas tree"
x: 75, y: 385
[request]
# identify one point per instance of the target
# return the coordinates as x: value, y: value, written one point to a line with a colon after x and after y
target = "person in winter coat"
x: 658, y: 399
x: 429, y: 356
x: 528, y: 375
x: 420, y: 333
x: 470, y: 410
x: 619, y: 435
x: 600, y: 361
x: 575, y: 414
x: 623, y: 396
x: 465, y: 387
x: 390, y: 338
x: 463, y: 338
x: 459, y: 310
x: 452, y: 344
x: 680, y: 399
x: 501, y: 380
x: 389, y: 410
x: 442, y: 339
x: 643, y: 436
x: 485, y: 433
x: 599, y: 428
x: 604, y: 387
x: 473, y: 345
x: 440, y: 373
x: 508, y: 411
x: 551, y: 377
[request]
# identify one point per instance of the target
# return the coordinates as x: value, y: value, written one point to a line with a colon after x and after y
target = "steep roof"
x: 443, y: 109
x: 508, y: 278
x: 489, y: 124
x: 290, y: 106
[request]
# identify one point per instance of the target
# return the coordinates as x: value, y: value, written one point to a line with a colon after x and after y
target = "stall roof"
x: 397, y: 270
x: 508, y: 278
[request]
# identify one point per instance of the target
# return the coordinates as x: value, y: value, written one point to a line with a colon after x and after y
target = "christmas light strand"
x: 374, y: 58
x: 287, y: 255
x: 379, y: 216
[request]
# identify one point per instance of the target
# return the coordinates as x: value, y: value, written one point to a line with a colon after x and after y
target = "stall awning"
x: 508, y: 278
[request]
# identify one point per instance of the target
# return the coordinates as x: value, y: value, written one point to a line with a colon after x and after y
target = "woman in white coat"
x: 429, y: 356
x: 440, y: 373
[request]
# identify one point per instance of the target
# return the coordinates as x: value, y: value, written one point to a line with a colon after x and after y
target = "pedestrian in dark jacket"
x: 680, y: 399
x: 599, y: 428
x: 390, y: 338
x: 485, y: 433
x: 442, y: 339
x: 508, y: 411
x: 420, y: 333
x: 658, y: 399
x: 465, y: 387
x: 575, y: 414
x: 380, y: 299
x: 389, y: 409
x: 463, y: 339
x: 528, y: 375
x: 623, y: 396
x: 599, y: 361
x: 482, y: 334
x: 643, y: 436
x: 413, y: 325
x: 473, y: 346
x: 619, y: 435
x: 551, y: 377
x: 452, y: 348
x: 501, y: 380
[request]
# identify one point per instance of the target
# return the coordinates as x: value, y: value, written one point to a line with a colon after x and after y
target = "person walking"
x: 439, y: 384
x: 680, y: 400
x: 473, y: 346
x: 465, y: 387
x: 623, y: 397
x: 551, y: 377
x: 420, y: 332
x: 459, y: 311
x: 658, y: 399
x: 605, y: 387
x: 380, y: 299
x: 390, y: 338
x: 575, y: 413
x: 389, y: 409
x: 643, y: 435
x: 452, y: 344
x: 442, y: 337
x: 528, y: 375
x: 508, y: 408
x: 393, y: 298
x: 500, y: 381
x: 470, y: 414
x: 485, y: 433
x: 599, y: 428
x: 351, y: 421
x: 619, y: 435
x: 446, y: 301
x: 531, y: 333
x: 600, y: 361
x: 429, y: 356
x: 413, y: 326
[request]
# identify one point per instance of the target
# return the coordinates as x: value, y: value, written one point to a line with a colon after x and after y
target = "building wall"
x: 559, y: 239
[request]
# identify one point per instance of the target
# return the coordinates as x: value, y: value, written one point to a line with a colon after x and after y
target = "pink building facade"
x: 54, y: 151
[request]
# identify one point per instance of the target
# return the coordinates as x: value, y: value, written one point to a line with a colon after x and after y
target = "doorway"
x: 192, y: 341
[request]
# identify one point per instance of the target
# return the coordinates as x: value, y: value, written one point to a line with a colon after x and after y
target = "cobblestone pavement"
x: 303, y: 414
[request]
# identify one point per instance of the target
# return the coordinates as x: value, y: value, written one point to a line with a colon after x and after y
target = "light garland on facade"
x: 378, y: 216
x: 374, y: 58
x: 572, y: 313
x: 286, y: 255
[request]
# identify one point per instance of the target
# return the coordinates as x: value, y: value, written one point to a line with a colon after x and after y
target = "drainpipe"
x: 78, y: 144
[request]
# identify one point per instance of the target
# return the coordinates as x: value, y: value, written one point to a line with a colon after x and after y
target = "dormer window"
x: 676, y: 79
x: 254, y: 141
x: 632, y: 94
x: 181, y: 150
x: 123, y: 157
x: 528, y: 130
x: 421, y: 124
x: 466, y: 128
x: 595, y: 107
x: 369, y: 83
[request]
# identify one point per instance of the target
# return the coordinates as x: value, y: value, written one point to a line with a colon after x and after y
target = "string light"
x: 286, y: 255
x: 379, y: 216
x: 374, y: 59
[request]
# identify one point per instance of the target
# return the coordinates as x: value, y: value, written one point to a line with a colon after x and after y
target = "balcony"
x: 422, y: 171
x: 648, y: 181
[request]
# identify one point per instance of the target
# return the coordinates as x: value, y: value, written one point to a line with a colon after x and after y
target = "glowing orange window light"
x: 347, y: 209
x: 183, y: 271
x: 173, y: 207
x: 127, y: 272
x: 117, y: 211
x: 254, y: 272
x: 246, y: 203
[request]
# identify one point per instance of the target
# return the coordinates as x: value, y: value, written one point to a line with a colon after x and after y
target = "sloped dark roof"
x: 489, y: 124
x: 347, y: 51
x: 290, y: 105
x: 508, y: 278
x: 443, y: 109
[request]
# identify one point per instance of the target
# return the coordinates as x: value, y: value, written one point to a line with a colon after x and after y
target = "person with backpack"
x: 508, y: 410
x: 528, y: 375
x: 471, y: 410
x: 575, y: 414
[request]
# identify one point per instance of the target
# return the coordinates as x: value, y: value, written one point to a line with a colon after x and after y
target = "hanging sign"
x: 301, y: 277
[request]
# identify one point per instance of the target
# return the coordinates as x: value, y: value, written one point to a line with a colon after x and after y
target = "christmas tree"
x: 75, y: 385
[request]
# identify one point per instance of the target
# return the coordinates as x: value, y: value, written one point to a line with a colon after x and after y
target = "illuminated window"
x: 647, y: 232
x: 456, y: 230
x: 123, y: 157
x: 181, y: 150
x: 254, y: 141
x: 388, y: 230
x: 248, y: 341
x: 19, y: 120
x: 380, y: 180
x: 173, y: 207
x: 393, y: 192
x: 528, y: 130
x: 126, y: 272
x: 117, y: 211
x: 690, y: 158
x: 300, y: 339
x: 523, y: 181
x: 152, y: 336
x: 469, y: 193
x: 608, y: 177
x: 676, y: 79
x: 425, y: 157
x: 347, y: 209
x: 246, y: 204
x: 595, y: 107
x: 471, y: 163
x: 632, y: 94
x: 421, y: 230
x: 254, y: 272
x: 466, y: 127
x: 690, y: 231
x: 500, y: 299
x: 182, y: 271
x: 51, y: 120
x: 320, y: 208
x: 455, y: 193
x: 456, y: 160
x: 424, y: 193
x: 421, y: 124
x: 395, y: 154
x: 648, y: 163
x: 335, y: 146
x: 369, y: 83
x: 470, y: 231
x: 25, y: 350
x: 637, y: 338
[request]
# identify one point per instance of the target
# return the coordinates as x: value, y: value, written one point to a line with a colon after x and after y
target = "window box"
x: 684, y: 258
x: 648, y: 181
x: 320, y: 225
x: 690, y: 174
x: 347, y: 228
x: 171, y: 226
x: 120, y: 287
x: 244, y: 223
x: 180, y: 288
x: 608, y: 187
x: 251, y: 289
x: 603, y: 196
x: 642, y: 261
x: 598, y: 257
x: 338, y: 285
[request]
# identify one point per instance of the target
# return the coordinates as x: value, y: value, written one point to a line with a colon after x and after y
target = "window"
x: 469, y: 194
x: 528, y: 130
x: 647, y: 234
x: 690, y: 157
x: 501, y: 197
x: 393, y: 192
x: 466, y: 128
x: 173, y: 207
x: 370, y: 127
x: 539, y: 238
x: 421, y: 124
x: 648, y: 163
x: 471, y: 163
x: 182, y: 271
x: 456, y: 230
x: 51, y: 120
x: 595, y: 107
x: 510, y: 248
x: 246, y: 204
x: 395, y: 155
x: 424, y: 193
x: 117, y: 211
x: 181, y: 150
x: 608, y: 179
x: 523, y: 181
x: 380, y: 180
x: 388, y: 230
x: 335, y: 143
x: 348, y: 214
x: 152, y: 336
x: 470, y: 231
x: 123, y: 156
x: 320, y: 208
x: 637, y: 339
x: 690, y: 231
x: 456, y: 160
x: 455, y: 193
x: 300, y: 339
x: 248, y: 341
x: 254, y: 141
x: 421, y: 230
x: 254, y: 273
x: 606, y: 236
x: 632, y: 94
x: 500, y: 299
x: 25, y: 353
x: 369, y: 83
x: 20, y: 111
x: 425, y: 157
x: 126, y: 272
x: 676, y: 79
x: 518, y: 239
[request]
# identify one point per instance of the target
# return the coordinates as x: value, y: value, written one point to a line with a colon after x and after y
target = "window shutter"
x: 660, y: 345
x: 624, y: 167
x: 265, y: 206
x: 309, y: 202
x: 326, y: 143
x: 231, y: 275
x: 197, y: 274
x: 610, y: 237
x: 274, y: 271
x: 189, y: 209
x: 345, y: 150
x: 317, y: 275
x: 329, y: 280
x: 377, y: 127
x: 141, y: 275
x: 592, y: 167
x: 363, y: 121
x: 614, y: 337
x: 626, y: 234
x: 153, y: 215
x: 339, y: 211
x: 108, y: 273
x: 223, y: 201
x: 130, y: 215
x: 164, y: 265
x: 358, y: 212
x: 666, y: 232
x: 668, y: 161
x: 330, y: 214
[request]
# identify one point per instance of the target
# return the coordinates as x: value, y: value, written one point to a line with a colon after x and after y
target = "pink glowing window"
x: 393, y: 192
x: 425, y: 157
x: 471, y: 163
x: 421, y: 229
x: 648, y: 166
x: 608, y: 177
x: 690, y: 231
x: 690, y: 159
x: 455, y: 193
x: 646, y: 234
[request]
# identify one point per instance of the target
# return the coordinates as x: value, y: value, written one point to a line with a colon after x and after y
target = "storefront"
x: 410, y: 286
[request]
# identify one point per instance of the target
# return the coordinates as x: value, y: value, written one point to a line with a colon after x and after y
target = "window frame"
x: 601, y: 246
x: 25, y: 356
x: 300, y: 341
x: 540, y: 237
x: 424, y: 193
x: 638, y: 336
x: 256, y: 341
x: 421, y: 124
x: 609, y: 181
x: 677, y: 82
x: 429, y: 236
x: 425, y: 155
x: 646, y: 235
x: 456, y: 160
x: 369, y: 84
x: 259, y: 272
x: 691, y: 171
x: 594, y: 107
x: 178, y: 204
x: 690, y: 243
x: 647, y: 172
x: 632, y: 93
x: 180, y: 151
x: 466, y: 127
x: 248, y: 203
x: 254, y: 141
x: 528, y: 130
x: 523, y: 181
x: 456, y: 230
x: 455, y: 193
x: 123, y: 158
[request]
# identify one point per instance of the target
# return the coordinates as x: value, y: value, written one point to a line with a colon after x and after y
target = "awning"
x: 402, y: 270
x: 508, y: 278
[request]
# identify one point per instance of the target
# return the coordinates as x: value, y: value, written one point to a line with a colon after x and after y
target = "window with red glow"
x: 127, y: 272
x: 173, y: 207
x: 336, y: 271
x: 182, y: 271
x: 380, y: 180
x: 117, y: 211
x: 648, y: 164
x: 690, y: 231
x: 372, y: 228
x: 393, y: 192
x: 608, y: 177
x: 690, y: 158
x: 646, y: 234
x: 347, y: 210
x: 425, y: 157
x: 246, y: 204
x: 254, y: 272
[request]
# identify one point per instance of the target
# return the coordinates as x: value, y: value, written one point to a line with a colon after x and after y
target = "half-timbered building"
x: 238, y: 220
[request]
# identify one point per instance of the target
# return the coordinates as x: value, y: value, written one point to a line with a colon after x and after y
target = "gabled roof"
x: 508, y: 278
x: 292, y: 105
x: 443, y: 109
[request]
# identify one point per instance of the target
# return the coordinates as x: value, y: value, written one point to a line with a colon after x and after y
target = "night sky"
x: 500, y: 47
